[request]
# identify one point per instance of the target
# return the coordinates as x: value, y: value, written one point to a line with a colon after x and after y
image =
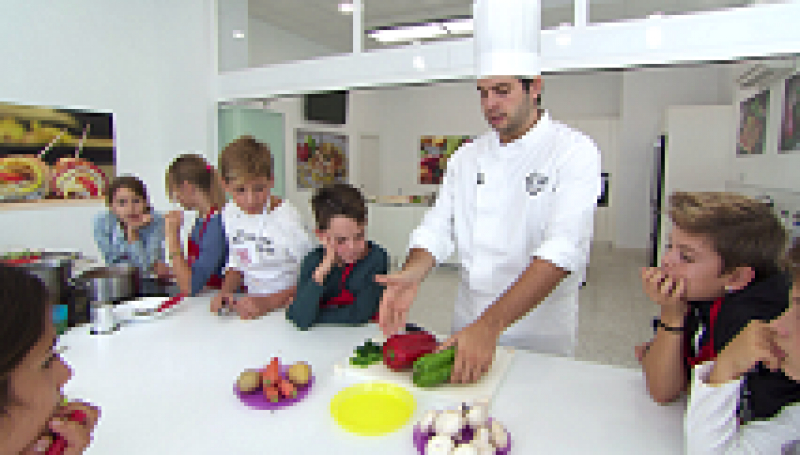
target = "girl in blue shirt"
x: 130, y: 232
x: 194, y: 184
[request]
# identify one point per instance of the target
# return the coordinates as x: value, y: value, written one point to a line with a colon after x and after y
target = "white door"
x: 369, y: 164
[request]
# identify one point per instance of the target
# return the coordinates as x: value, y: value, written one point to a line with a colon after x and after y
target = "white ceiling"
x: 320, y: 21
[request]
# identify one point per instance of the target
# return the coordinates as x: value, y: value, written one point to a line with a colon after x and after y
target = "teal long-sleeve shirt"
x: 307, y: 309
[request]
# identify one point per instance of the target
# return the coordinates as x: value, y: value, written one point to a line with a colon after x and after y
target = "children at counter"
x: 130, y: 232
x: 194, y: 184
x: 32, y: 374
x: 711, y: 424
x: 266, y: 237
x: 719, y: 272
x: 337, y: 280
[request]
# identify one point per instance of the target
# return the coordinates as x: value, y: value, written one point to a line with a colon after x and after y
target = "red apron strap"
x: 707, y: 351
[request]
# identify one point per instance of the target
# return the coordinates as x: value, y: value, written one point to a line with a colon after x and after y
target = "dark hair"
x: 23, y: 309
x: 245, y: 158
x: 126, y: 181
x: 195, y: 169
x: 338, y: 199
x: 745, y: 232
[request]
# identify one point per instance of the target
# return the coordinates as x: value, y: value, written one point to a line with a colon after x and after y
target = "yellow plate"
x: 372, y: 408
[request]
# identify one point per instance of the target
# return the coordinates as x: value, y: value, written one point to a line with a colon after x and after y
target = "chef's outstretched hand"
x: 401, y: 289
x: 475, y: 348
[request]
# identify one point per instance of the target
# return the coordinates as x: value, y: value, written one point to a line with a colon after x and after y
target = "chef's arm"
x: 530, y: 289
x: 418, y: 264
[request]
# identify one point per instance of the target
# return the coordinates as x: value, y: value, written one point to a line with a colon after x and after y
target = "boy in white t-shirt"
x: 266, y: 237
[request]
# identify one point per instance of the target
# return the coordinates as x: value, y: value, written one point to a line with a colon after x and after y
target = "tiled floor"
x: 614, y: 313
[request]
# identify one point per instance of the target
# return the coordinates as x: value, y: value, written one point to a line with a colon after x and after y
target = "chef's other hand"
x: 173, y: 221
x: 667, y: 292
x: 475, y: 348
x: 401, y: 289
x: 220, y: 300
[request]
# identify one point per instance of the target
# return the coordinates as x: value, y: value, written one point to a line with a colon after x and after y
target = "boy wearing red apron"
x: 337, y: 280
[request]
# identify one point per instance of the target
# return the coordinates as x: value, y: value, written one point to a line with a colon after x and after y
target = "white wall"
x: 269, y: 44
x: 361, y: 119
x: 646, y: 93
x: 152, y: 63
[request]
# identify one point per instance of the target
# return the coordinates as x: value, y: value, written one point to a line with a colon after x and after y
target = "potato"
x: 299, y: 373
x: 249, y: 381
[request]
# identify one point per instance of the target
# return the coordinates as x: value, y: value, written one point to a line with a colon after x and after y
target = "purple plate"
x: 257, y: 400
x: 421, y: 439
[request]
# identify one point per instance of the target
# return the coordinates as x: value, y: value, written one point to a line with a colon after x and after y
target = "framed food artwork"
x: 322, y: 159
x: 753, y: 125
x: 790, y: 121
x: 434, y: 153
x: 54, y: 153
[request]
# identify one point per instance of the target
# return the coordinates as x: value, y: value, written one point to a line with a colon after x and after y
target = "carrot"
x: 287, y: 389
x: 272, y: 372
x: 272, y: 394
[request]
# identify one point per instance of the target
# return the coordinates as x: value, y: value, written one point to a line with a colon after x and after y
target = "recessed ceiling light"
x: 238, y: 34
x: 410, y: 33
x: 346, y: 8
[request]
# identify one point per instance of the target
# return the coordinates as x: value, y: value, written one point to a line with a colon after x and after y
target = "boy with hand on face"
x: 719, y: 272
x: 337, y: 280
x: 265, y: 234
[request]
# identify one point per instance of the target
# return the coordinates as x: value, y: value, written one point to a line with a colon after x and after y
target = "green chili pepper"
x: 434, y: 369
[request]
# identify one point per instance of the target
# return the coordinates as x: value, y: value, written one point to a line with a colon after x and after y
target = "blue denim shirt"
x: 145, y: 252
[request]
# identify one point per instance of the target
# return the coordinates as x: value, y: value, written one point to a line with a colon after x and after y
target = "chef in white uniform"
x: 517, y: 203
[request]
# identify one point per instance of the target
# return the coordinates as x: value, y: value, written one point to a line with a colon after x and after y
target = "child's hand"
x: 754, y: 344
x: 77, y: 435
x: 222, y: 299
x: 329, y: 258
x: 668, y: 292
x: 173, y: 221
x: 640, y: 350
x: 251, y: 307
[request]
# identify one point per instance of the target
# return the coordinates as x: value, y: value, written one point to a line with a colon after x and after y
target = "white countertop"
x: 165, y: 387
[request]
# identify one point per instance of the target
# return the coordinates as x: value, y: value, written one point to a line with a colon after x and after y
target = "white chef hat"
x: 507, y: 37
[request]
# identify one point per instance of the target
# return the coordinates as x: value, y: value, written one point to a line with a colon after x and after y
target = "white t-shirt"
x: 267, y: 248
x: 711, y: 425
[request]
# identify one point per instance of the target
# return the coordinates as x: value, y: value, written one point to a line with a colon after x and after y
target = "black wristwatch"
x: 657, y: 323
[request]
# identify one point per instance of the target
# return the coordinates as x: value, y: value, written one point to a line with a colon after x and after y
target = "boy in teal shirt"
x: 337, y: 284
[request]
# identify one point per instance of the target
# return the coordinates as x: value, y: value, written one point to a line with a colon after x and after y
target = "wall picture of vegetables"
x: 322, y: 159
x: 790, y: 124
x: 434, y: 153
x: 753, y: 125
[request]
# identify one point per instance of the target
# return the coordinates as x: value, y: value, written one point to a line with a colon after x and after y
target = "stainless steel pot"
x: 54, y: 269
x: 109, y: 284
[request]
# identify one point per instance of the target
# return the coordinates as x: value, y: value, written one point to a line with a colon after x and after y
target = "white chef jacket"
x: 711, y: 424
x: 502, y: 205
x: 267, y: 248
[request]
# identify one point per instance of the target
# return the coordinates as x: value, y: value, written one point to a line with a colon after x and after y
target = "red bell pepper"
x: 401, y: 350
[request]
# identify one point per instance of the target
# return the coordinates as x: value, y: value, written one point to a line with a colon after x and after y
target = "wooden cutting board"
x: 485, y: 388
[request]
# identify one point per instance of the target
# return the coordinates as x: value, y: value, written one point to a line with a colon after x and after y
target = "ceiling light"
x: 238, y: 34
x: 409, y: 33
x: 346, y: 8
x: 419, y: 63
x: 458, y: 26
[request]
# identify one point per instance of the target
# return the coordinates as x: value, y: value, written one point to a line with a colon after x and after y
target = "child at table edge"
x: 720, y: 271
x: 32, y: 373
x: 337, y: 280
x: 266, y: 237
x: 712, y: 425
